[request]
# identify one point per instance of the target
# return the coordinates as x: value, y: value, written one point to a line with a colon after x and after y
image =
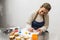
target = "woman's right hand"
x: 30, y: 29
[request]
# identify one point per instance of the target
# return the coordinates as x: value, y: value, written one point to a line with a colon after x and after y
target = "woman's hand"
x: 39, y: 30
x: 30, y: 29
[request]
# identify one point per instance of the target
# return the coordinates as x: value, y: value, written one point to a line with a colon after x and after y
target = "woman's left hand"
x: 39, y: 30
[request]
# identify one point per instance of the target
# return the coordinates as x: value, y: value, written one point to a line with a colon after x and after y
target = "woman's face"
x: 43, y: 11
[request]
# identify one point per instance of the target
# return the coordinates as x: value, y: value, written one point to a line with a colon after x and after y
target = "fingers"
x: 40, y: 31
x: 30, y: 29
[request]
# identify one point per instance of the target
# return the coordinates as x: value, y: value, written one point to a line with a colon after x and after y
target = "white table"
x: 6, y: 36
x: 41, y: 37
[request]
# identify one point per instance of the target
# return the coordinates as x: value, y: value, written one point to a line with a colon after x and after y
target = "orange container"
x: 34, y: 36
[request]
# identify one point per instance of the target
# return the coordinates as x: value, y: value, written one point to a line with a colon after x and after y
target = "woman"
x: 39, y: 20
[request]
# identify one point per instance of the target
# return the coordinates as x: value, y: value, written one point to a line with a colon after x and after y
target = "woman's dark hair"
x: 47, y: 6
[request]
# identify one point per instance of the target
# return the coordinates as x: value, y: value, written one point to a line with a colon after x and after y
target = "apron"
x: 36, y: 24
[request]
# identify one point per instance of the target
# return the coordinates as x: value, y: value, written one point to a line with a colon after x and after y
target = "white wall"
x: 17, y: 12
x: 1, y: 14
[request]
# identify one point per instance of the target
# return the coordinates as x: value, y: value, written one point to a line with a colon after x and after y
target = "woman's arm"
x: 29, y: 21
x: 45, y: 27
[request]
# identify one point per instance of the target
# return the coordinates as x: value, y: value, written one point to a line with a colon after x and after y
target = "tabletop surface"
x: 4, y: 36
